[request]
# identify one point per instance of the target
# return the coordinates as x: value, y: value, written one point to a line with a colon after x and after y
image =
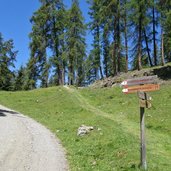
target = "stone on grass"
x: 83, y: 130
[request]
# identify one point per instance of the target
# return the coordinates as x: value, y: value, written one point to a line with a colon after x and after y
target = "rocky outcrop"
x: 163, y: 73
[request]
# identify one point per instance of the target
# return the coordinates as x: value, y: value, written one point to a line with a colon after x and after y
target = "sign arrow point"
x: 125, y: 90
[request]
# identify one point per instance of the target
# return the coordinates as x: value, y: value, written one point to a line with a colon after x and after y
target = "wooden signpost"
x: 141, y: 86
x: 145, y: 88
x: 140, y: 81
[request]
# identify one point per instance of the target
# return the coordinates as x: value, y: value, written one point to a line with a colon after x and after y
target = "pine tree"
x: 106, y: 47
x: 168, y: 36
x: 147, y: 49
x: 57, y: 22
x: 125, y: 23
x: 45, y: 75
x: 95, y: 27
x: 52, y: 81
x: 48, y: 35
x: 75, y: 40
x: 90, y: 70
x: 111, y: 14
x: 154, y: 22
x: 164, y: 7
x: 7, y: 59
x: 139, y: 20
x: 20, y: 79
x: 31, y: 74
x: 114, y: 8
x: 39, y: 43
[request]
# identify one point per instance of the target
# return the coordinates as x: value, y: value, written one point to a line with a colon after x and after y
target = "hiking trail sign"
x: 140, y: 86
x: 145, y: 88
x: 140, y: 81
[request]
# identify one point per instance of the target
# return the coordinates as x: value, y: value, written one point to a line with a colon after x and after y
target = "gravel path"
x: 25, y: 145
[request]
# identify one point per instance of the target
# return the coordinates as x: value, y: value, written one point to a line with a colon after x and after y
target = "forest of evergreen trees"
x: 127, y: 35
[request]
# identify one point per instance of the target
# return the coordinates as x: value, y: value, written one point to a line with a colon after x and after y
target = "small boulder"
x: 83, y: 130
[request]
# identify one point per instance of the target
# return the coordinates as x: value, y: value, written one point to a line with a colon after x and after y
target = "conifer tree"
x: 106, y: 51
x: 39, y: 43
x: 48, y: 35
x: 57, y: 22
x: 168, y: 35
x: 31, y: 74
x: 75, y: 40
x: 154, y: 23
x: 111, y: 13
x: 139, y: 20
x: 7, y: 59
x: 95, y: 27
x: 20, y: 79
x: 125, y: 27
x: 90, y: 70
x: 165, y: 16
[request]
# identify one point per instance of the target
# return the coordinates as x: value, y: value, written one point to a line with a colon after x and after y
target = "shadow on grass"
x: 163, y: 73
x: 2, y: 112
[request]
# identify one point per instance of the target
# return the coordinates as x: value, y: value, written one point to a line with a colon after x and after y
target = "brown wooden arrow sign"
x: 140, y: 81
x: 145, y: 88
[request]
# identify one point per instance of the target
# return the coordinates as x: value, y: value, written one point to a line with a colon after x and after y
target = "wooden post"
x: 141, y: 86
x: 142, y: 135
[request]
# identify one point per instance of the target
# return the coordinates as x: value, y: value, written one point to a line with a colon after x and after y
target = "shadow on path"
x: 2, y: 112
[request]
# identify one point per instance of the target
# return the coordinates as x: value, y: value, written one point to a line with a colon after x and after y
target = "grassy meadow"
x: 114, y: 143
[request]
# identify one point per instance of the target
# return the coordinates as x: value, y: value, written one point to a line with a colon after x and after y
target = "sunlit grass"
x: 115, y: 146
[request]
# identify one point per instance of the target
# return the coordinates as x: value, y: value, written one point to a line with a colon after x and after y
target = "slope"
x: 114, y: 144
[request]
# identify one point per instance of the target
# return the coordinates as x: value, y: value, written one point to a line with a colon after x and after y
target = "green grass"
x: 116, y: 145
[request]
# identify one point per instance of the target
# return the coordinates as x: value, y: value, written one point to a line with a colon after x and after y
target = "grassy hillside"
x: 114, y: 144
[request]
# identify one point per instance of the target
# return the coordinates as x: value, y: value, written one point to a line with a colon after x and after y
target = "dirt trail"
x: 25, y: 145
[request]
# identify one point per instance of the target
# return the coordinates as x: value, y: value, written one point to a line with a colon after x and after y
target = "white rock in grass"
x: 83, y: 130
x: 99, y: 129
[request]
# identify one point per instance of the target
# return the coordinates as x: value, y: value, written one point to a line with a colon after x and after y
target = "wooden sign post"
x: 141, y: 86
x: 142, y: 137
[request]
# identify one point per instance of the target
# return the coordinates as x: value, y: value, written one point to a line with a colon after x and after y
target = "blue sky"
x: 15, y: 24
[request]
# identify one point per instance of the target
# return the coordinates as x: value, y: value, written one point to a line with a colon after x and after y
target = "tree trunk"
x: 106, y: 64
x: 154, y: 37
x: 99, y: 57
x: 147, y: 47
x: 139, y: 40
x: 71, y: 72
x: 118, y: 37
x: 162, y: 49
x: 60, y: 79
x: 126, y: 39
x: 63, y: 75
x: 59, y: 66
x: 115, y: 69
x: 101, y: 73
x: 105, y: 52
